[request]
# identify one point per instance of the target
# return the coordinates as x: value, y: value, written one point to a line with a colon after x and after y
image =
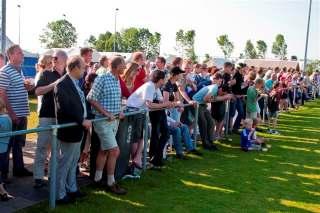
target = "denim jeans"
x: 241, y: 115
x: 43, y: 142
x: 180, y: 134
x: 16, y: 143
x: 67, y: 168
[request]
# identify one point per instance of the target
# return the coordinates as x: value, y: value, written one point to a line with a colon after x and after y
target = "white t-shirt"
x: 147, y: 92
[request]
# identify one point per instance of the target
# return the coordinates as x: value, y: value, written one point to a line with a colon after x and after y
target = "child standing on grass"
x: 273, y: 106
x: 5, y: 126
x: 252, y: 99
x: 248, y: 143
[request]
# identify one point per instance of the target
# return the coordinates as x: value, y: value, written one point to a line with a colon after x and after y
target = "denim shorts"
x: 107, y: 131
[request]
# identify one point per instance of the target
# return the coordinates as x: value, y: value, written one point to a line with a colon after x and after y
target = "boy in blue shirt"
x: 5, y: 126
x: 248, y: 138
x: 206, y: 95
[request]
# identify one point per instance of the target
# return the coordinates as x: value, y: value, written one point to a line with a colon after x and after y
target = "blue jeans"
x: 179, y: 133
x: 16, y: 143
x: 67, y: 168
x: 241, y: 115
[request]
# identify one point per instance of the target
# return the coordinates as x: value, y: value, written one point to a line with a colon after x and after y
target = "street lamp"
x: 115, y: 30
x: 19, y: 11
x: 305, y: 61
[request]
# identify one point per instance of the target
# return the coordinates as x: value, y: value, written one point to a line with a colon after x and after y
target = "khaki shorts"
x: 251, y: 115
x: 107, y: 131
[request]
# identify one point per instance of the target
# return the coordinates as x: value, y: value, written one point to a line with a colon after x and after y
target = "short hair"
x: 74, y: 62
x: 137, y: 55
x: 162, y: 59
x: 116, y: 61
x: 1, y: 56
x: 60, y: 54
x: 196, y: 66
x: 217, y: 76
x: 11, y: 49
x: 247, y: 121
x: 157, y: 75
x: 176, y: 61
x: 85, y: 51
x: 227, y: 64
x: 103, y: 59
x: 259, y: 81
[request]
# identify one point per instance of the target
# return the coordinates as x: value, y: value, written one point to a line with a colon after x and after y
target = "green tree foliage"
x: 313, y: 66
x: 250, y: 51
x: 129, y: 40
x: 226, y: 45
x: 262, y: 48
x: 279, y: 47
x: 185, y: 41
x: 207, y: 58
x: 59, y: 34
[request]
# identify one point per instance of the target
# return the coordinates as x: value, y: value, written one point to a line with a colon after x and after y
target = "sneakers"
x: 39, y: 183
x: 264, y: 149
x: 133, y: 172
x: 116, y: 189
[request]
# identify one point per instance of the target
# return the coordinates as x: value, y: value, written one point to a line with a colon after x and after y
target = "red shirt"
x: 139, y: 79
x: 124, y: 89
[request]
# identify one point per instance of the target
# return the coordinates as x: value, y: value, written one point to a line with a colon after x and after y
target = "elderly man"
x: 13, y: 90
x: 70, y: 107
x: 47, y: 116
x: 105, y: 97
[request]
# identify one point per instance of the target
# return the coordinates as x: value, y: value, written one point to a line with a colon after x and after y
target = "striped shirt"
x: 12, y: 81
x: 106, y: 90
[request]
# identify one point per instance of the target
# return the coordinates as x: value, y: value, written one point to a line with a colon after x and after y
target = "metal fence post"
x: 195, y: 130
x: 145, y: 139
x: 265, y: 102
x: 53, y: 169
x: 227, y: 117
x: 294, y: 96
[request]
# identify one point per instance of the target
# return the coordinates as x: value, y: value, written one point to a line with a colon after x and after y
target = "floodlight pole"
x: 115, y: 30
x: 3, y: 26
x: 307, y: 38
x: 19, y: 8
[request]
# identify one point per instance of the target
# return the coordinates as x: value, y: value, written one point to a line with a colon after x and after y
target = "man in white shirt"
x: 148, y: 96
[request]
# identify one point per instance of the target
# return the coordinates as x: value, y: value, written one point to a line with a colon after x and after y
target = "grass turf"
x: 285, y: 179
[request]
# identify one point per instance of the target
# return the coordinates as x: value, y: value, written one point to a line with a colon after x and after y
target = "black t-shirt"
x: 47, y: 109
x: 225, y: 79
x: 236, y: 89
x: 171, y: 88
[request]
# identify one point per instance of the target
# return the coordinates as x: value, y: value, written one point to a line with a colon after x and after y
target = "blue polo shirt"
x: 211, y: 89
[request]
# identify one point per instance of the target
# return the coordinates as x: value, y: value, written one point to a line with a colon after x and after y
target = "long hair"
x: 127, y: 75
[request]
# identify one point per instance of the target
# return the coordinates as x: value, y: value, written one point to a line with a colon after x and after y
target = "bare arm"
x: 100, y: 109
x: 165, y: 96
x: 184, y: 94
x: 12, y: 114
x: 152, y: 105
x: 44, y: 89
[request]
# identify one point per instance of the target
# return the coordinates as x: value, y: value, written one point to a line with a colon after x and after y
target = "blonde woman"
x: 127, y: 79
x: 44, y: 63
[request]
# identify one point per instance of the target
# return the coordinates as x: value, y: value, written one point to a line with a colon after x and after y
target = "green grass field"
x: 285, y: 179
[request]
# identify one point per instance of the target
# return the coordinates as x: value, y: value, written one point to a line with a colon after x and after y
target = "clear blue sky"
x: 240, y: 19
